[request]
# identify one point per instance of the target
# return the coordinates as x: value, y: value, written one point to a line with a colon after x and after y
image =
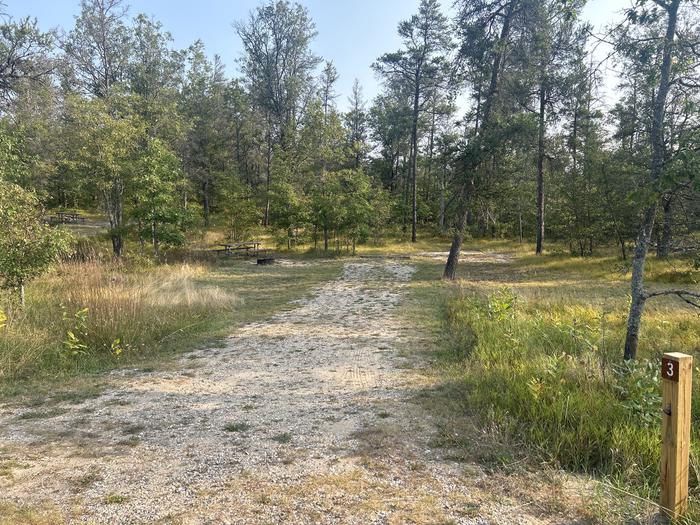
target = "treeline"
x: 109, y: 115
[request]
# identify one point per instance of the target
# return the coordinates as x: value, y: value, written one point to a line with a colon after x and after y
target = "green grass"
x: 115, y: 499
x: 283, y: 438
x: 138, y: 315
x: 531, y: 352
x: 237, y: 426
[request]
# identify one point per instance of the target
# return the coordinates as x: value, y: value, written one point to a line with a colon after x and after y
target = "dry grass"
x: 126, y: 310
x: 12, y: 514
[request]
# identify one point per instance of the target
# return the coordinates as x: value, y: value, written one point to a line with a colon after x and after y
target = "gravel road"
x: 304, y: 418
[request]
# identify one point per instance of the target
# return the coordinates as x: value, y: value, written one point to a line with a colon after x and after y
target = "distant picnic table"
x: 63, y: 217
x: 240, y: 248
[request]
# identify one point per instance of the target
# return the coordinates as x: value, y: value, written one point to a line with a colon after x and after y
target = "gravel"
x: 303, y: 418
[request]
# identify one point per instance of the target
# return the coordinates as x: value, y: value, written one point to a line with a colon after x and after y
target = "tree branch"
x: 684, y: 295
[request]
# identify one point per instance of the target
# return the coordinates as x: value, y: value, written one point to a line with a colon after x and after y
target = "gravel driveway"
x: 304, y: 418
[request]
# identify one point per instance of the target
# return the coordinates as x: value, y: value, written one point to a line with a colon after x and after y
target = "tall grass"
x: 113, y: 313
x: 536, y: 351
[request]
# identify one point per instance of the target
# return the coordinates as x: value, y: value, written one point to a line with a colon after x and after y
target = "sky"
x: 351, y: 33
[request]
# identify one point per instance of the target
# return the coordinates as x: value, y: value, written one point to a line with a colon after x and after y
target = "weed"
x: 283, y: 438
x: 112, y: 499
x: 238, y: 426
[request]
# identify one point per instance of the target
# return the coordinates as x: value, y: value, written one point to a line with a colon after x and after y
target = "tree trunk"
x: 540, y: 169
x: 414, y: 158
x: 641, y: 249
x: 113, y: 203
x: 441, y: 215
x: 22, y: 301
x: 205, y: 202
x: 268, y: 169
x: 664, y: 247
x: 453, y: 258
x: 623, y: 248
x: 154, y: 239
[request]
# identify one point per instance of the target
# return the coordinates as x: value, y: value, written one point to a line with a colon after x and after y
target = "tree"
x: 27, y: 245
x: 105, y: 136
x: 423, y: 67
x: 278, y: 66
x: 205, y: 149
x: 24, y: 55
x: 553, y: 33
x: 154, y: 202
x: 486, y: 28
x: 356, y: 123
x: 98, y: 47
x: 663, y: 78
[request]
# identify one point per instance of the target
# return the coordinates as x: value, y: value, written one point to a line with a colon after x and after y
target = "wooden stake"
x: 677, y: 380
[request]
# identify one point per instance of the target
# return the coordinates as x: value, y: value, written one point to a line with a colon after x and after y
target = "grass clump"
x: 238, y: 426
x: 115, y: 499
x: 283, y: 438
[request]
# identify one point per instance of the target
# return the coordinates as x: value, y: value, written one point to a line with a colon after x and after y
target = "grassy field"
x: 531, y: 349
x: 85, y: 318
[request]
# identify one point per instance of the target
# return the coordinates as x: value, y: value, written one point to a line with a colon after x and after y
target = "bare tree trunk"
x: 113, y: 203
x: 268, y: 168
x: 205, y: 202
x: 154, y: 239
x: 664, y: 247
x: 540, y: 168
x: 414, y: 158
x: 22, y: 301
x: 441, y: 216
x: 623, y: 249
x: 520, y: 227
x: 641, y: 249
x: 453, y: 258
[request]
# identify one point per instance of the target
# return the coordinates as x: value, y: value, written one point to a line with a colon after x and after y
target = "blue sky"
x: 352, y: 33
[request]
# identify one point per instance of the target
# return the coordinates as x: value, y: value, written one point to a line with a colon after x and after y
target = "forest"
x: 494, y: 140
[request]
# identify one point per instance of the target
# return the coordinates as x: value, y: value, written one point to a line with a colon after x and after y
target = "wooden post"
x: 677, y: 380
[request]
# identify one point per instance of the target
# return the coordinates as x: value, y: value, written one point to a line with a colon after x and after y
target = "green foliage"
x: 74, y: 343
x: 27, y: 245
x: 638, y: 387
x: 241, y: 213
x: 544, y: 378
x: 14, y: 161
x: 154, y: 199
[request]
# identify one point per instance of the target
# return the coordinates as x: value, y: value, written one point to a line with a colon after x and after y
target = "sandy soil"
x: 305, y: 418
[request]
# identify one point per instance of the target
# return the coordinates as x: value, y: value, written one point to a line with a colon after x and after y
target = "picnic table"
x: 67, y: 217
x: 63, y: 217
x: 240, y: 248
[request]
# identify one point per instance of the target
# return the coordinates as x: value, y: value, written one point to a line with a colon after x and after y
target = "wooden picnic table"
x: 66, y: 217
x: 240, y: 247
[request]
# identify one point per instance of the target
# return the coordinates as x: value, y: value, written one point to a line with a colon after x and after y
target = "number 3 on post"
x: 669, y: 369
